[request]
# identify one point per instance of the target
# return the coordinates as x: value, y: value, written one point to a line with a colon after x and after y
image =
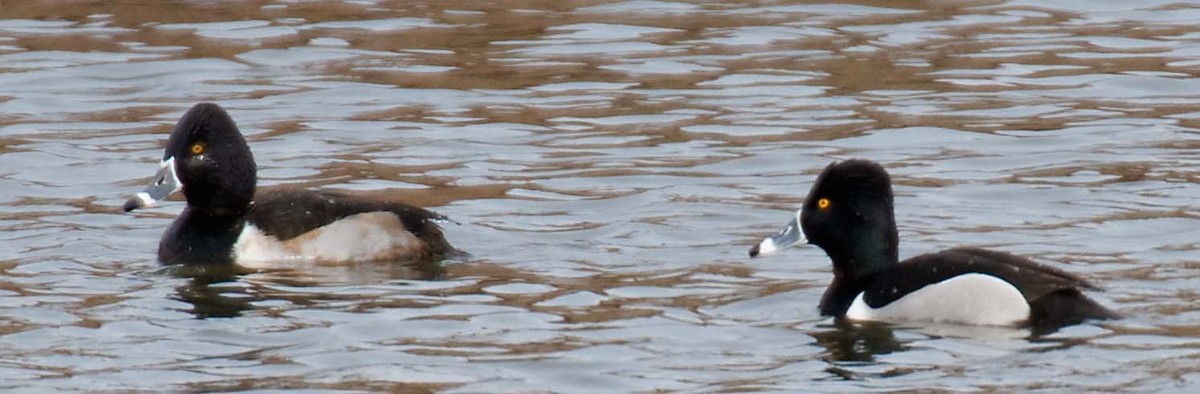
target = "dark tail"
x: 1064, y: 308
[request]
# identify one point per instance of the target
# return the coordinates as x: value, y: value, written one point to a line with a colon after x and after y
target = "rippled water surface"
x: 610, y: 164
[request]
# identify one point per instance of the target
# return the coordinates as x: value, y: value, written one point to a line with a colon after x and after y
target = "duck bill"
x: 790, y: 235
x: 166, y: 183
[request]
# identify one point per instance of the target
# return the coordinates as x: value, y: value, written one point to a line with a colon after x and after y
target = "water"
x: 610, y: 164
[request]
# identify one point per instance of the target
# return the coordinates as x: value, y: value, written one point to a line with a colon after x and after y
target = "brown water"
x: 610, y: 164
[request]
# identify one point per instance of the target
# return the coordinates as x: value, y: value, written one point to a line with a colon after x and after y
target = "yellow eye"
x: 197, y: 149
x: 823, y: 203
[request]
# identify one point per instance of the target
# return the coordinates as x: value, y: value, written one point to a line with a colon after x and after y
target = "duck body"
x: 228, y: 220
x: 965, y: 285
x: 849, y: 214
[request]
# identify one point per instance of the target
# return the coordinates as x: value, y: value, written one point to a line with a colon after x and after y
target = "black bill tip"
x: 131, y: 204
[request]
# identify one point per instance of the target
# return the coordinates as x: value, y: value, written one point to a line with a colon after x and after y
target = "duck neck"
x: 213, y: 199
x: 871, y: 251
x: 872, y: 248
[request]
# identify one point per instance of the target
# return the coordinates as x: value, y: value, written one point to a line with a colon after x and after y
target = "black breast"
x: 200, y: 237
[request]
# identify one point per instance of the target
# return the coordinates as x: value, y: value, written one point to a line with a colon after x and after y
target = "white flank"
x: 361, y: 237
x: 969, y: 299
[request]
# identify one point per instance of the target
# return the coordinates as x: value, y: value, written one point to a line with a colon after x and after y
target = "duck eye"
x: 197, y: 149
x: 823, y: 203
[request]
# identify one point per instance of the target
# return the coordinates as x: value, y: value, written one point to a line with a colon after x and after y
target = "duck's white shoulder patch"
x: 970, y: 299
x: 362, y: 237
x: 253, y: 246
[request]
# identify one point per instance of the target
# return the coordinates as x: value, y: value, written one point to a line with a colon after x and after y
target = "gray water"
x: 610, y: 165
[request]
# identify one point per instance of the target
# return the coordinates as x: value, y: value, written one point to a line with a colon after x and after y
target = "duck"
x: 849, y: 214
x: 229, y: 220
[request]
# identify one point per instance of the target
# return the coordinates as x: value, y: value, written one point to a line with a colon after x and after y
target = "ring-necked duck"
x: 227, y: 221
x: 848, y: 213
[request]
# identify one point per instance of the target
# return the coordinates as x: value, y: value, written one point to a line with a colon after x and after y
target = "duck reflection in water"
x: 857, y: 341
x: 216, y: 291
x: 852, y: 344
